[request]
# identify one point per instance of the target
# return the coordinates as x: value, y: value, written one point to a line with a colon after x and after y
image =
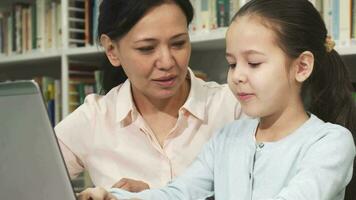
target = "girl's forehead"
x: 247, y: 34
x: 247, y: 28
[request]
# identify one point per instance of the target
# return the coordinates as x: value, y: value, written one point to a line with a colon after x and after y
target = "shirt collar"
x: 198, y: 95
x: 124, y: 102
x: 195, y: 103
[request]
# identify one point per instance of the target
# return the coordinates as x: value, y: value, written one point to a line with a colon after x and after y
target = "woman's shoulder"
x: 212, y: 86
x: 215, y: 92
x: 98, y: 103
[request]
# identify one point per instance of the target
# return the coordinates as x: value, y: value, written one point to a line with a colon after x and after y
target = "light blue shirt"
x: 313, y: 163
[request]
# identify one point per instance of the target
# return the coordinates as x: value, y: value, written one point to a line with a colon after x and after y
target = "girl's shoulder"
x: 241, y: 128
x: 323, y: 129
x: 329, y: 134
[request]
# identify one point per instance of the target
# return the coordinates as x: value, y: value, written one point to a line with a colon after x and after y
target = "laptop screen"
x: 31, y: 165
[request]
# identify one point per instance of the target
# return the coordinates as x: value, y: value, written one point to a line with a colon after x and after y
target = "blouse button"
x: 261, y: 145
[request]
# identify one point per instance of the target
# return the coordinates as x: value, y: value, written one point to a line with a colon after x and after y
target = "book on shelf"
x: 82, y: 81
x: 51, y: 91
x: 223, y: 12
x: 353, y: 19
x: 95, y: 18
x: 340, y: 20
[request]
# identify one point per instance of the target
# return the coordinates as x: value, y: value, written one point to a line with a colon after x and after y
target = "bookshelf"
x: 207, y: 51
x: 208, y: 54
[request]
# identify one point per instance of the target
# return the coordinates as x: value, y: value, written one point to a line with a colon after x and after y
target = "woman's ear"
x: 110, y: 48
x: 304, y: 66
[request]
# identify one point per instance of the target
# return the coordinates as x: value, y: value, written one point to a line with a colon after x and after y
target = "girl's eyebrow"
x: 230, y: 55
x: 253, y: 52
x: 227, y: 54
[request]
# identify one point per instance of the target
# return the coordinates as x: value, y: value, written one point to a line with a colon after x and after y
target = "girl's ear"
x: 304, y: 66
x: 109, y: 47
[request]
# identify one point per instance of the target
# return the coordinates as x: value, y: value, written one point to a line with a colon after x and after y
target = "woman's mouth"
x: 168, y: 81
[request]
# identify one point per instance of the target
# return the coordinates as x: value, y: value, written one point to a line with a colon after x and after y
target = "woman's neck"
x: 161, y: 114
x: 148, y: 106
x: 279, y: 125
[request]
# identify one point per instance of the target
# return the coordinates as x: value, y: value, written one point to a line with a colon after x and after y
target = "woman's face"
x: 155, y: 52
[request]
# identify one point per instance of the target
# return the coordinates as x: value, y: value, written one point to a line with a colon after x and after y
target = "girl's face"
x: 259, y: 73
x: 155, y: 52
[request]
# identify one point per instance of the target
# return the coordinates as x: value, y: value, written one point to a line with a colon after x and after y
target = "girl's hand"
x: 131, y: 185
x: 97, y: 193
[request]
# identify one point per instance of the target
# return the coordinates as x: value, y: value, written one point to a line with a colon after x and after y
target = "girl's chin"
x: 253, y: 113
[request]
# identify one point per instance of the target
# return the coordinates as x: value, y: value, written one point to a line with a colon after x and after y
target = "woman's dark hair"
x: 116, y: 19
x: 299, y: 27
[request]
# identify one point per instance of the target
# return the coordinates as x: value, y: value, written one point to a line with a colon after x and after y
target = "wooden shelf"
x: 84, y: 50
x: 31, y: 56
x: 349, y: 49
x: 214, y: 39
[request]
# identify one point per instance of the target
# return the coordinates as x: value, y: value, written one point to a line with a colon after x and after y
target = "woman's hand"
x: 97, y: 193
x: 131, y: 185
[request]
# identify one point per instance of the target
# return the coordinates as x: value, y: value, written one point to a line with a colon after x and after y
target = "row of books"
x: 339, y: 16
x: 340, y: 19
x: 212, y: 14
x: 37, y: 26
x: 81, y: 83
x: 27, y: 27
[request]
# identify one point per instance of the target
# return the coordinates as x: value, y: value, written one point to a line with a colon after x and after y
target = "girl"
x: 290, y: 80
x: 159, y: 117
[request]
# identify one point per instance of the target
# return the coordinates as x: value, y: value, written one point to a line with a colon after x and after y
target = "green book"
x: 34, y: 24
x: 223, y: 12
x: 81, y: 92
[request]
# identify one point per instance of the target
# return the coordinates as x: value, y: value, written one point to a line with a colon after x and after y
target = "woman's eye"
x: 179, y: 43
x: 232, y: 65
x: 145, y: 49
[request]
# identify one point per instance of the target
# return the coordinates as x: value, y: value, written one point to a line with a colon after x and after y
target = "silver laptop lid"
x: 31, y: 165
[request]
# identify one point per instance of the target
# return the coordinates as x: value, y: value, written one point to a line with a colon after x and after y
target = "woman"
x: 148, y: 129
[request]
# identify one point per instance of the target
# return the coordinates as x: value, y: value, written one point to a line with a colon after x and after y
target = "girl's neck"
x: 279, y: 125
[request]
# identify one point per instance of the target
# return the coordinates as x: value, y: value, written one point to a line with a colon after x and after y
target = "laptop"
x: 31, y: 164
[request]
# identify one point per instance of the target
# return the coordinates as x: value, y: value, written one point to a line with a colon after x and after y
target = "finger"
x: 84, y: 195
x: 121, y: 182
x: 126, y: 186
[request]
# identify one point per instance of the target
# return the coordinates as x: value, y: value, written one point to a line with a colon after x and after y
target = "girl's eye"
x: 254, y: 64
x: 232, y: 65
